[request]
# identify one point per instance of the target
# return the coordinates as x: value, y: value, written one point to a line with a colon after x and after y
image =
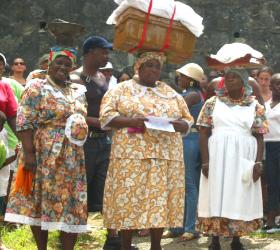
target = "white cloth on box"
x: 228, y: 192
x: 184, y: 13
x: 232, y: 51
x: 273, y: 117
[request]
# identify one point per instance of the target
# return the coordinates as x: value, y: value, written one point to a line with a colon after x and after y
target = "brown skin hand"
x: 204, y: 134
x: 257, y: 170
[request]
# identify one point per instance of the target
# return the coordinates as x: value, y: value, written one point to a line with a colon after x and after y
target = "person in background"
x: 203, y: 86
x: 49, y: 189
x: 254, y: 74
x: 107, y: 71
x: 12, y: 138
x: 41, y: 72
x: 8, y: 103
x: 145, y: 184
x: 190, y: 76
x: 123, y: 76
x: 263, y: 78
x: 98, y: 144
x: 18, y: 69
x: 5, y: 161
x: 231, y: 128
x: 272, y: 155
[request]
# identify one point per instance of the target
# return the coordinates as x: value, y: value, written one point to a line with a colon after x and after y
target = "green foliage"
x: 22, y: 239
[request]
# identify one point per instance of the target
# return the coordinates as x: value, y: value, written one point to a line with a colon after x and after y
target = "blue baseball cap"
x: 94, y: 42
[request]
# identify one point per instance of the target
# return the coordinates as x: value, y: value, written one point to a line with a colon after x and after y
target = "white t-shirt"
x: 273, y: 117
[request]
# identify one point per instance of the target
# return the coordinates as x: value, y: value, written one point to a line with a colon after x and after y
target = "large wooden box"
x: 128, y: 32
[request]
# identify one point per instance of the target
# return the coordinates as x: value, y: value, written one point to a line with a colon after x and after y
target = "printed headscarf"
x: 146, y: 56
x: 243, y: 74
x: 71, y: 53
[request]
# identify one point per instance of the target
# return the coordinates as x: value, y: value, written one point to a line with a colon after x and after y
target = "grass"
x: 261, y: 234
x: 22, y: 239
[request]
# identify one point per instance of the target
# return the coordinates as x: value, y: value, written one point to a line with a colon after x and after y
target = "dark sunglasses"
x: 19, y: 63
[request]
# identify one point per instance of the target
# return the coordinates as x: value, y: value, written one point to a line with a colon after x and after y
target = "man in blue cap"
x: 98, y: 145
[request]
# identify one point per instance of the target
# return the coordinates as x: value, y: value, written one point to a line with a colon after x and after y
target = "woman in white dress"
x: 232, y: 125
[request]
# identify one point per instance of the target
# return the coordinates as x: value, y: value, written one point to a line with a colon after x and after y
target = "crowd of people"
x: 82, y: 138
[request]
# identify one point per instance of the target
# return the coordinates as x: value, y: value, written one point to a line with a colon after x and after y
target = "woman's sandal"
x: 169, y: 234
x: 187, y: 236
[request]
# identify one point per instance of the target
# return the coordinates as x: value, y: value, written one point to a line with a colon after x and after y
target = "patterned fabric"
x: 228, y: 228
x: 260, y: 124
x: 145, y: 180
x: 71, y: 53
x: 146, y: 56
x: 59, y: 197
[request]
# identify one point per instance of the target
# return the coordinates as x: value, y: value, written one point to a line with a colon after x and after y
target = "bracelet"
x: 205, y: 164
x: 259, y: 163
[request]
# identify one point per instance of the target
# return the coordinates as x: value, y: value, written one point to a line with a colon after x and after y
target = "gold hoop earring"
x: 191, y: 83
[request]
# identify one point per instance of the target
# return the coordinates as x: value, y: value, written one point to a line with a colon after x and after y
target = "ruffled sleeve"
x: 28, y: 111
x: 109, y: 107
x: 205, y: 116
x: 260, y: 124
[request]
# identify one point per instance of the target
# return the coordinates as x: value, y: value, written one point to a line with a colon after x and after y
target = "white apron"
x: 229, y: 191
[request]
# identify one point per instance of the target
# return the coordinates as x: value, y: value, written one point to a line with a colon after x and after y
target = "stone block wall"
x: 258, y: 22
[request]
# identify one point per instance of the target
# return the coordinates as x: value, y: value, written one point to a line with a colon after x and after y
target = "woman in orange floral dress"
x: 52, y: 127
x: 145, y: 182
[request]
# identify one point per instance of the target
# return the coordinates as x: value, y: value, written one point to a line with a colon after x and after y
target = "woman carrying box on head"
x: 145, y: 184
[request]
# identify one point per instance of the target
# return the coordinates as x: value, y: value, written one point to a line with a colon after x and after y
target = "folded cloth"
x: 248, y: 166
x: 233, y: 51
x: 184, y: 13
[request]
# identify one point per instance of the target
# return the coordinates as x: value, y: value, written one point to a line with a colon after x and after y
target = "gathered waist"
x: 231, y: 131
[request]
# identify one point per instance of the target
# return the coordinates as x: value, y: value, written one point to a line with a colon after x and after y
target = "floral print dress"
x: 59, y: 196
x: 145, y: 185
x: 209, y: 188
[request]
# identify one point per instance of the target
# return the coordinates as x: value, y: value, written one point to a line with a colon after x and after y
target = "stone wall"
x: 258, y: 22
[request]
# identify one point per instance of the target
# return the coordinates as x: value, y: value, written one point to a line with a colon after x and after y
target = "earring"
x: 191, y: 83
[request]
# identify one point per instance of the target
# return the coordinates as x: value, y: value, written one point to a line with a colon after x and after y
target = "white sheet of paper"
x: 159, y: 123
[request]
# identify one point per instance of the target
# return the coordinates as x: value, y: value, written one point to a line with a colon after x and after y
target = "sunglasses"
x: 19, y: 63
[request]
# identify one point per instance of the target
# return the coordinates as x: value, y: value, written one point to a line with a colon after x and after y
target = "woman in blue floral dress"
x: 52, y: 127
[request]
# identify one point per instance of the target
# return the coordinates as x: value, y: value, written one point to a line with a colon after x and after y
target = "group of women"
x: 152, y: 172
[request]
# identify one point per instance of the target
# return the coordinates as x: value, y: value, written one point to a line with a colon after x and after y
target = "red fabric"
x: 167, y: 37
x: 8, y: 104
x: 221, y: 83
x: 143, y: 37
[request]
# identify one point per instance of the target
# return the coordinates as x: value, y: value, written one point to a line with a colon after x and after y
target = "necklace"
x: 66, y: 91
x: 236, y: 100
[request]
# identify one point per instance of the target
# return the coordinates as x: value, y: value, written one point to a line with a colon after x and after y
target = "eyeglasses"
x: 19, y: 63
